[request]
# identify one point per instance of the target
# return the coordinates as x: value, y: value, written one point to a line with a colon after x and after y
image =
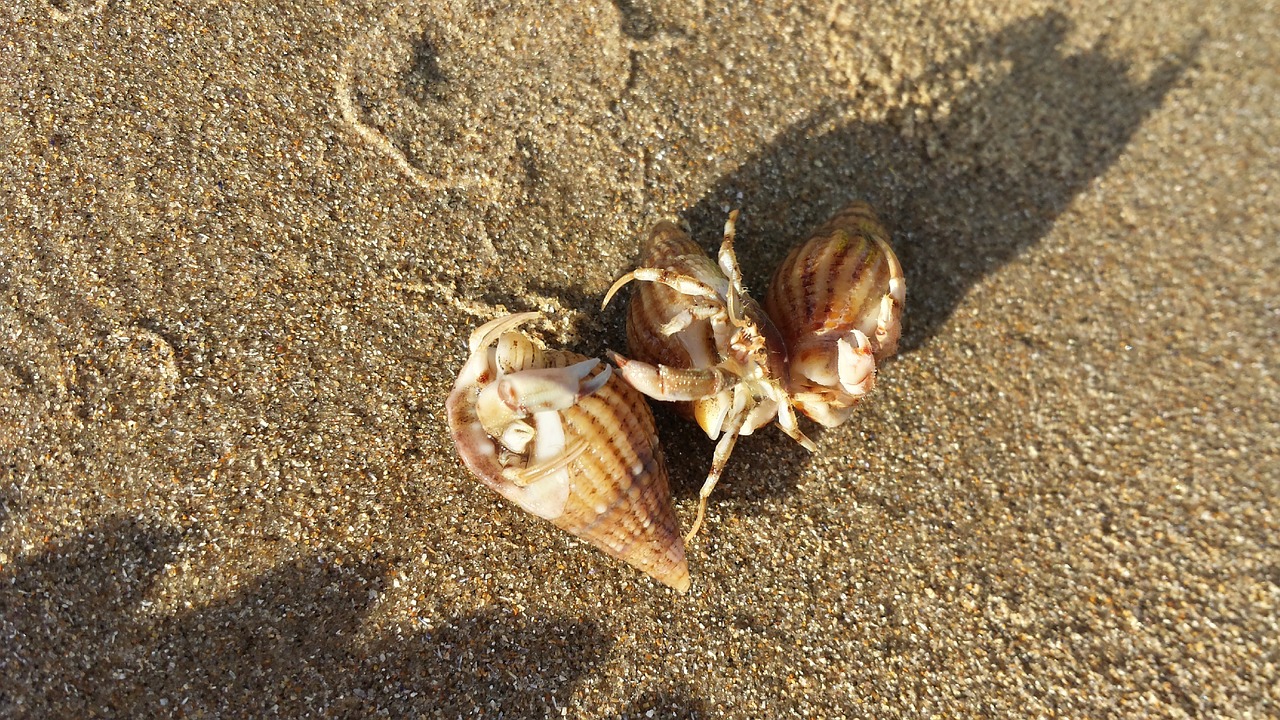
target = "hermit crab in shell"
x: 699, y: 339
x: 837, y: 300
x: 559, y: 435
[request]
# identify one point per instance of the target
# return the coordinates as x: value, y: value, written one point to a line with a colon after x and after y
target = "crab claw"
x: 827, y: 385
x: 533, y: 391
x: 669, y: 384
x: 856, y: 364
x: 674, y: 280
x: 850, y: 369
x: 889, y: 324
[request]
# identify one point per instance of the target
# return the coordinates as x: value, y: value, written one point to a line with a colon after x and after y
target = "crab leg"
x: 669, y: 384
x: 724, y: 448
x: 855, y: 364
x: 541, y: 470
x: 788, y: 423
x: 676, y: 281
x: 686, y: 317
x: 728, y: 261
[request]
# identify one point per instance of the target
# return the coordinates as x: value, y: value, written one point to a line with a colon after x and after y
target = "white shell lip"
x: 547, y: 496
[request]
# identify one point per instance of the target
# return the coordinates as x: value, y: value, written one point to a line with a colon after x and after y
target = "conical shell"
x: 604, y: 480
x: 837, y: 300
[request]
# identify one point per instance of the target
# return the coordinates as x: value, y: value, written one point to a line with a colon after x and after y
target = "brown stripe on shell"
x: 666, y: 243
x: 832, y: 281
x: 623, y: 472
x: 789, y: 294
x: 839, y: 269
x: 628, y: 515
x: 854, y: 274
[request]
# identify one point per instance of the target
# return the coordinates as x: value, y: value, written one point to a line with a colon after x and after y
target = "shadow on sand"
x: 79, y: 642
x: 988, y: 182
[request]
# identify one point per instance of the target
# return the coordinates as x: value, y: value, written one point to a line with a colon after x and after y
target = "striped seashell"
x: 699, y: 340
x: 837, y: 300
x: 557, y: 434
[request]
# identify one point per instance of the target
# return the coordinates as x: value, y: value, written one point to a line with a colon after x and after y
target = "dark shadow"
x: 11, y: 501
x: 424, y: 81
x: 688, y: 451
x: 638, y: 22
x: 79, y: 641
x: 68, y: 620
x: 490, y: 661
x: 980, y: 186
x: 668, y: 704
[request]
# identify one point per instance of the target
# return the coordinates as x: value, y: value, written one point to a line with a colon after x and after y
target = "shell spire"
x: 561, y: 436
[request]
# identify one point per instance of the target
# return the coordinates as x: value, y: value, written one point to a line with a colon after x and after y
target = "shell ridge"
x: 600, y: 451
x: 619, y: 528
x: 835, y: 295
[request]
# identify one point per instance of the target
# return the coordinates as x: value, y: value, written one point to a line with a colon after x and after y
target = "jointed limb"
x: 530, y: 474
x: 791, y: 426
x: 724, y: 448
x: 669, y: 384
x: 683, y: 284
x: 686, y: 317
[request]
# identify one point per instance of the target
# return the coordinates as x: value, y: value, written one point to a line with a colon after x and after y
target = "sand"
x: 241, y: 248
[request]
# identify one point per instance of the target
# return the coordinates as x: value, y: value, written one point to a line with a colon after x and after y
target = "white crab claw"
x: 545, y: 389
x: 856, y: 363
x: 889, y: 324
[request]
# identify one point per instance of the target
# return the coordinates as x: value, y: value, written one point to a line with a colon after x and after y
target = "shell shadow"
x: 958, y: 209
x: 688, y: 451
x: 295, y: 641
x: 986, y: 183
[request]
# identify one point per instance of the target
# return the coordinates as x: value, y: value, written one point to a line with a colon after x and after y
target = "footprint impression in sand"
x: 496, y: 99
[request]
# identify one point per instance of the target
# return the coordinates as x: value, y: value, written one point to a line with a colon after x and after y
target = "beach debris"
x: 697, y: 338
x: 561, y: 436
x: 837, y: 299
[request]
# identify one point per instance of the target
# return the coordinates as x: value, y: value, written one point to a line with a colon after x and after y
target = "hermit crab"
x: 837, y: 300
x: 697, y: 338
x: 559, y: 435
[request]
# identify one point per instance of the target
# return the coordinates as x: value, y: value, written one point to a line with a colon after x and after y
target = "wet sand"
x: 241, y: 249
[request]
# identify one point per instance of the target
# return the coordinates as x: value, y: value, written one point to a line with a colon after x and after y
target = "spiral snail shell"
x: 837, y: 300
x: 698, y: 339
x: 558, y: 435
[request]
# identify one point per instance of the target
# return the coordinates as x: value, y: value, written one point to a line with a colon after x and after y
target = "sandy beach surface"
x: 242, y: 246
